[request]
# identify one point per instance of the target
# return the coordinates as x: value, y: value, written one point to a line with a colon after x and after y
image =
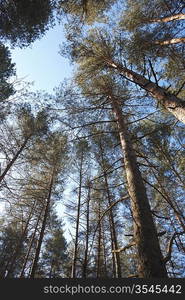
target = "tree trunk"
x: 168, y: 19
x: 17, y: 249
x: 171, y: 41
x: 173, y: 104
x: 151, y: 264
x: 116, y: 255
x: 73, y: 270
x: 14, y: 158
x: 36, y: 258
x: 84, y: 271
x: 99, y: 250
x: 30, y: 246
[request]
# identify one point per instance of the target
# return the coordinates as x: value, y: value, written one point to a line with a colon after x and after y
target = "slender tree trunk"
x: 151, y: 263
x: 30, y: 246
x: 73, y: 270
x: 104, y: 254
x: 48, y: 200
x: 168, y: 19
x: 10, y: 164
x: 114, y: 235
x: 85, y: 263
x: 171, y: 41
x: 116, y: 255
x: 99, y: 252
x: 19, y: 245
x: 173, y: 104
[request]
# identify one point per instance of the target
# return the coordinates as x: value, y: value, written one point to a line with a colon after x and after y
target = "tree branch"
x: 124, y: 248
x: 170, y: 244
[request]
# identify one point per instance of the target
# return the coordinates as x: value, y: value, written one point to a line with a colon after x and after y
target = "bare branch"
x: 170, y: 245
x: 124, y: 248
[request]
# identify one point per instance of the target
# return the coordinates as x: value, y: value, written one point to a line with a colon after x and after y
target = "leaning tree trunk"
x: 170, y: 42
x: 176, y: 17
x: 172, y: 103
x: 10, y: 164
x: 151, y: 263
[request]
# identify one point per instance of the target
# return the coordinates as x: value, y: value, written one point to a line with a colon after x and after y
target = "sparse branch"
x: 124, y: 248
x: 170, y: 245
x: 153, y: 72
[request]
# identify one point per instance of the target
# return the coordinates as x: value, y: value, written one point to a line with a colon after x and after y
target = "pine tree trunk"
x: 171, y: 41
x: 173, y: 104
x: 36, y: 258
x: 168, y: 19
x: 19, y: 245
x: 30, y: 246
x: 151, y: 264
x: 85, y: 263
x: 73, y: 270
x: 116, y: 255
x: 98, y: 271
x: 10, y: 164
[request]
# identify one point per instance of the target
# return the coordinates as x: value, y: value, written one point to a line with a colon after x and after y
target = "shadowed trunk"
x: 151, y: 264
x: 48, y: 200
x: 10, y: 164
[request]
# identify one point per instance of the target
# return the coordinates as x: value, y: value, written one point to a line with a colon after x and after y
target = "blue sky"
x: 42, y: 62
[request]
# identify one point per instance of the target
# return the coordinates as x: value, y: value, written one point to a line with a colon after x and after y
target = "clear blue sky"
x: 41, y: 62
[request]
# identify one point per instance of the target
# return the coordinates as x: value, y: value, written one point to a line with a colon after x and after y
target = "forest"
x: 92, y: 175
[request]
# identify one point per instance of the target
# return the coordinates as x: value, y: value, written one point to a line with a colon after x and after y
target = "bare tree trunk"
x: 171, y: 41
x: 168, y: 19
x: 172, y: 103
x: 48, y: 200
x: 151, y: 264
x: 85, y: 263
x: 30, y: 246
x: 98, y: 271
x: 73, y: 270
x: 116, y: 255
x: 17, y: 249
x: 10, y: 164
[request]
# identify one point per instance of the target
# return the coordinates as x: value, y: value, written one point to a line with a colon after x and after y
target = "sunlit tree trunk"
x: 171, y: 41
x: 173, y: 104
x: 168, y: 19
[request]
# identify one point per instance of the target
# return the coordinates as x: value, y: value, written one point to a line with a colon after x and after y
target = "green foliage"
x: 7, y: 69
x: 22, y: 22
x: 88, y: 11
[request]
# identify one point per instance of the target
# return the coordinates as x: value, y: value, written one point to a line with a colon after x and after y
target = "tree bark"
x: 170, y: 42
x: 85, y: 263
x: 150, y: 258
x: 173, y: 104
x: 30, y: 246
x: 17, y: 249
x: 116, y: 255
x: 168, y: 19
x: 10, y: 164
x: 48, y: 200
x: 73, y: 270
x: 99, y: 250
